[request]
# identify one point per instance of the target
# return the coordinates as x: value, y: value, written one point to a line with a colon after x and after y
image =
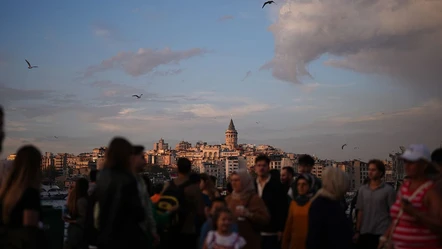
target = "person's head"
x: 242, y: 182
x: 184, y: 166
x: 376, y: 169
x: 305, y: 164
x: 2, y: 132
x: 335, y: 182
x: 118, y: 154
x: 222, y: 220
x: 436, y: 158
x: 287, y: 175
x: 24, y: 174
x: 416, y: 159
x: 158, y: 188
x: 217, y: 203
x: 303, y: 184
x: 138, y: 160
x: 206, y: 182
x: 262, y: 165
x: 93, y: 175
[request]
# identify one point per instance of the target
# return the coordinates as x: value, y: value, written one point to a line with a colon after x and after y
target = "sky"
x: 303, y: 75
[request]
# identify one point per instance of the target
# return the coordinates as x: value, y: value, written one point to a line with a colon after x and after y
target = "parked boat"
x: 52, y: 192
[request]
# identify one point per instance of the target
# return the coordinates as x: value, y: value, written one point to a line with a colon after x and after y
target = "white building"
x: 235, y: 163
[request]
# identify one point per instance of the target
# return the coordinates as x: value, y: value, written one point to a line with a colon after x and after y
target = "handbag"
x: 401, y: 212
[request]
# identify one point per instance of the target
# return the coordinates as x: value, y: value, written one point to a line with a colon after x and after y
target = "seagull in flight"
x: 268, y: 2
x: 29, y: 65
x: 137, y: 96
x: 55, y: 136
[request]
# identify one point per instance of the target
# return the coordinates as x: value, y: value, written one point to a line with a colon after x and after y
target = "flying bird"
x: 356, y: 148
x: 29, y: 65
x: 137, y: 96
x: 342, y: 147
x: 257, y: 122
x: 268, y: 2
x: 55, y: 136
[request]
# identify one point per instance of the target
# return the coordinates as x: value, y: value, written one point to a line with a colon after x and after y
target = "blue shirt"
x: 207, y: 227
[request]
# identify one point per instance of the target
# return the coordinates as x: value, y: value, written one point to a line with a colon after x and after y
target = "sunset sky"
x: 313, y: 74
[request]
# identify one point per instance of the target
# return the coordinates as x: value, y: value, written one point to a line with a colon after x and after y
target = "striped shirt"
x: 410, y: 234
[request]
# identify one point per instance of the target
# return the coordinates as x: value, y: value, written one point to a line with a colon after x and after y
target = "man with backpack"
x: 182, y: 192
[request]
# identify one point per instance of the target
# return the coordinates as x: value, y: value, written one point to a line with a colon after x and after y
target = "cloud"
x: 210, y: 111
x: 386, y: 37
x: 9, y: 94
x: 168, y: 73
x: 225, y: 18
x: 310, y: 87
x: 144, y: 61
x: 247, y: 75
x: 105, y: 31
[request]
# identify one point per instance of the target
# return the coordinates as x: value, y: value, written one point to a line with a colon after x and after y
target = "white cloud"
x: 387, y: 37
x: 210, y: 111
x: 144, y: 61
x: 225, y: 18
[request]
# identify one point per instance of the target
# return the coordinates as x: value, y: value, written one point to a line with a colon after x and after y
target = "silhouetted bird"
x: 343, y: 146
x: 268, y: 2
x: 29, y: 65
x: 137, y: 96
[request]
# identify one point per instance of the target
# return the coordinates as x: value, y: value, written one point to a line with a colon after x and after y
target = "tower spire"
x: 231, y: 126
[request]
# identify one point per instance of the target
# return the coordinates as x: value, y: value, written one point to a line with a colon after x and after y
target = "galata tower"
x: 231, y: 136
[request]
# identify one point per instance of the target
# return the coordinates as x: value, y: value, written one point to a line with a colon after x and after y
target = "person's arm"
x: 286, y: 238
x: 360, y: 208
x: 257, y: 211
x: 203, y: 234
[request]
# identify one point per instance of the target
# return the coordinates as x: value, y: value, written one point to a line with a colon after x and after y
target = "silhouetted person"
x: 20, y: 208
x: 272, y: 192
x: 120, y: 208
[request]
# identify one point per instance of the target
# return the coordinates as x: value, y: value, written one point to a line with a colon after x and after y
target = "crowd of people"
x: 120, y: 208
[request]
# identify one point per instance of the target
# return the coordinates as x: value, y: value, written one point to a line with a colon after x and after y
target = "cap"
x: 416, y: 152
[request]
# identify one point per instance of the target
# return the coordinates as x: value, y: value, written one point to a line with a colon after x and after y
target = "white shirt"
x: 233, y: 240
x: 261, y: 187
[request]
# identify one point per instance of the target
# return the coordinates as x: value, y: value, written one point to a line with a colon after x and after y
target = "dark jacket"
x: 275, y: 198
x: 121, y: 211
x: 328, y: 226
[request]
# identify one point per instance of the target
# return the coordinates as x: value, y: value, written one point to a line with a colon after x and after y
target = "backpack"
x: 91, y: 231
x: 172, y: 196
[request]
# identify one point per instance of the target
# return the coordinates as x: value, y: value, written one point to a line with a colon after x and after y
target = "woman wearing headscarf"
x: 250, y: 210
x: 296, y: 226
x: 328, y: 226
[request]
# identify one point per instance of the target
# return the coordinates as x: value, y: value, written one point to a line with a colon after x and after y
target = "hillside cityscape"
x: 218, y: 160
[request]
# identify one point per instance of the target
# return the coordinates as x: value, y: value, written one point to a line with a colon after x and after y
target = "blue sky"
x: 193, y: 58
